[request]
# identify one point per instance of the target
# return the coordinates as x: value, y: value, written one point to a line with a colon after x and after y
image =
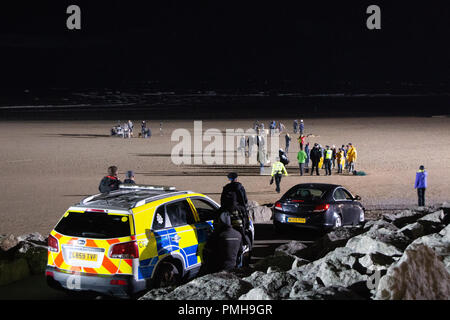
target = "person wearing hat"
x: 129, y: 178
x: 110, y: 182
x: 234, y: 187
x: 421, y: 184
x: 234, y: 201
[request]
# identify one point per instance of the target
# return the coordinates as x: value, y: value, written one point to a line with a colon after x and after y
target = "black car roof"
x: 327, y: 186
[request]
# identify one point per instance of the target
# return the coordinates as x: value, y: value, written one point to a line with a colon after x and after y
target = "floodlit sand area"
x: 46, y: 166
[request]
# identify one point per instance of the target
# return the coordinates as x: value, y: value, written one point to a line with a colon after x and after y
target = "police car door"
x: 182, y: 235
x: 206, y: 212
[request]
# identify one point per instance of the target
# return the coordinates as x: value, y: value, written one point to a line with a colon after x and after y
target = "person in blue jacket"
x: 421, y: 184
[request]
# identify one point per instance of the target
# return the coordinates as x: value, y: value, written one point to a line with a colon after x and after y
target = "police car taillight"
x: 52, y: 243
x: 126, y: 250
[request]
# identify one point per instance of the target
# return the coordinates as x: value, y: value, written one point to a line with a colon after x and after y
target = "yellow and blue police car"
x: 129, y: 240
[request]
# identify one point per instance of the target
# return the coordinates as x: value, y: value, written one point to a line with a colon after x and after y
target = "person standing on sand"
x: 421, y: 184
x: 315, y: 159
x: 288, y: 141
x: 301, y: 157
x: 351, y: 157
x: 301, y: 127
x: 278, y: 169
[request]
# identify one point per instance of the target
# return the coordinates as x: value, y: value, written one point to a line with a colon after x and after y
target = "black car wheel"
x: 167, y: 275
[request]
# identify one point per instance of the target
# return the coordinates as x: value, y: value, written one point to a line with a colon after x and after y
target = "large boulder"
x: 388, y: 233
x: 405, y: 217
x: 432, y: 222
x: 276, y: 285
x: 258, y: 213
x: 283, y: 261
x: 418, y: 275
x: 413, y: 231
x: 364, y: 244
x: 338, y: 268
x: 325, y: 293
x: 216, y: 286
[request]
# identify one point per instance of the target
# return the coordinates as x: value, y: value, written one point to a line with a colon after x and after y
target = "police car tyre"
x: 167, y: 274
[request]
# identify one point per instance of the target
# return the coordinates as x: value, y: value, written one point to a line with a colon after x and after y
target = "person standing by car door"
x: 421, y: 184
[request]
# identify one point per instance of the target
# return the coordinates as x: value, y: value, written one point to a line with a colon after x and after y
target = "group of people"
x: 126, y: 129
x: 328, y: 158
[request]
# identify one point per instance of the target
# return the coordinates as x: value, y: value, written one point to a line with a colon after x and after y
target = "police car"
x: 130, y: 240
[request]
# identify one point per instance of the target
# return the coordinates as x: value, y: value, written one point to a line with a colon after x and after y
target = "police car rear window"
x: 97, y: 225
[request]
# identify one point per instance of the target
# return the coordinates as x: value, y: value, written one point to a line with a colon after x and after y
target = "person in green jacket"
x: 301, y: 157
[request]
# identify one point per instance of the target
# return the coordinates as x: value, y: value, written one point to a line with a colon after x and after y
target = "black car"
x: 318, y: 206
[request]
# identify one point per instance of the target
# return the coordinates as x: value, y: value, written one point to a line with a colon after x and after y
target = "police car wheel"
x: 167, y: 275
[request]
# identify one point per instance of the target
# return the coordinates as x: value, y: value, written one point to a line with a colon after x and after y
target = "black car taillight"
x: 278, y: 205
x: 321, y: 207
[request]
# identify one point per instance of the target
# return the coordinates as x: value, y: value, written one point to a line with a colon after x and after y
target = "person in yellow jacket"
x: 351, y: 158
x: 340, y: 159
x: 278, y: 169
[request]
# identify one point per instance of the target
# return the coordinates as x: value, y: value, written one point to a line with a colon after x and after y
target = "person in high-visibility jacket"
x: 340, y: 159
x: 278, y: 169
x: 328, y: 155
x: 351, y: 158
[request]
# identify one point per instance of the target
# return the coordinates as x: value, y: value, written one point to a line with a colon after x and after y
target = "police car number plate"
x: 296, y: 220
x: 83, y: 256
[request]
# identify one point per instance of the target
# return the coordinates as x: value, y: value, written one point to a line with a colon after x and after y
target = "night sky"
x: 298, y: 46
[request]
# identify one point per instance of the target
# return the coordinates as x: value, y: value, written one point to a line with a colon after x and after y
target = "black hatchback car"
x: 318, y: 206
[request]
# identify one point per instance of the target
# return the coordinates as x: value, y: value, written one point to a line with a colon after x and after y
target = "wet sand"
x: 46, y: 166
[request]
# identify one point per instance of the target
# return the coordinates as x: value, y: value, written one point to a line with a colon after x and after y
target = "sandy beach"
x: 46, y: 166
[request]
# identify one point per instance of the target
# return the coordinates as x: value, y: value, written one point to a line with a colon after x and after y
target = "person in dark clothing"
x: 283, y: 157
x: 129, y: 178
x: 233, y: 187
x: 315, y: 156
x: 224, y: 247
x: 110, y: 182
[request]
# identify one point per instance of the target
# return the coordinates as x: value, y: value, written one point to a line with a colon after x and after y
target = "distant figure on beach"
x: 340, y: 159
x: 261, y: 156
x: 288, y: 139
x: 351, y: 157
x: 301, y: 127
x: 295, y: 126
x: 421, y: 184
x: 130, y: 128
x: 301, y: 157
x: 160, y: 128
x: 315, y: 159
x: 129, y: 178
x: 327, y: 160
x: 110, y: 182
x: 301, y: 140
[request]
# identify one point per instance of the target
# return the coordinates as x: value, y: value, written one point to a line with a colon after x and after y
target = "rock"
x: 291, y: 248
x: 413, y: 231
x: 418, y: 275
x: 432, y: 222
x: 157, y: 294
x: 282, y: 261
x: 7, y: 242
x: 301, y: 289
x: 217, y: 286
x: 259, y: 213
x: 334, y: 239
x: 439, y: 242
x: 339, y: 267
x: 365, y: 244
x: 389, y: 236
x: 256, y: 294
x: 405, y: 217
x: 376, y: 262
x: 277, y: 285
x: 327, y: 293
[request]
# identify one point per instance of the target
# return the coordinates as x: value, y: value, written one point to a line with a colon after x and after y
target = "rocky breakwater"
x: 405, y: 255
